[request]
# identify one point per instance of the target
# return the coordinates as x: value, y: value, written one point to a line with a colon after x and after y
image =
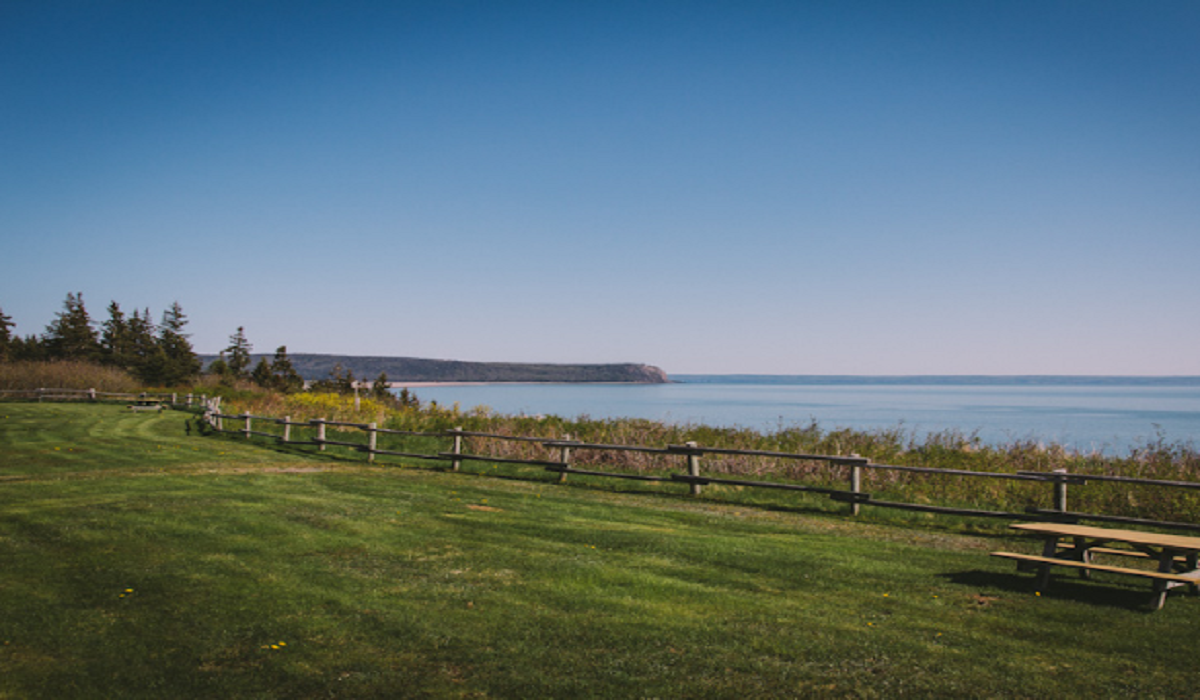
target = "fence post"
x: 246, y: 427
x: 457, y: 431
x: 371, y: 441
x: 320, y: 433
x: 1060, y: 490
x: 287, y: 428
x: 565, y: 458
x: 92, y: 394
x: 855, y: 483
x: 693, y: 462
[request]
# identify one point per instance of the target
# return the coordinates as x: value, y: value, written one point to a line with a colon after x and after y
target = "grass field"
x: 137, y: 560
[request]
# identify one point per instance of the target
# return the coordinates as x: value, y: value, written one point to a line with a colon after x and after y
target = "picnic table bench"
x: 146, y: 405
x: 1075, y: 546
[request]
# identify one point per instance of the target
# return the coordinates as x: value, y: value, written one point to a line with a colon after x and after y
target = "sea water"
x: 1104, y: 414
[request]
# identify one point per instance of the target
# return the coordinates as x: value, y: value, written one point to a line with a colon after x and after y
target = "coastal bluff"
x: 401, y: 370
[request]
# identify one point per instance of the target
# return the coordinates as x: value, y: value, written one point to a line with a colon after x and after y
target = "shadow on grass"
x: 1104, y: 594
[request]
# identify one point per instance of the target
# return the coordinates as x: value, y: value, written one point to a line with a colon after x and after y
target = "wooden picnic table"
x: 1076, y: 546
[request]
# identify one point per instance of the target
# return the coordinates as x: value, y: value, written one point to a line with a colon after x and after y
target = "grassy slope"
x: 136, y: 561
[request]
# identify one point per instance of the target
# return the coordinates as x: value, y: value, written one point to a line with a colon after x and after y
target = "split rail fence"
x: 173, y: 399
x: 689, y: 458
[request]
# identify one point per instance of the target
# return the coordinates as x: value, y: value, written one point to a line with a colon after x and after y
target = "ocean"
x: 1110, y: 415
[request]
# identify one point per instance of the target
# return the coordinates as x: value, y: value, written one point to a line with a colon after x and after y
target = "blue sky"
x: 712, y: 187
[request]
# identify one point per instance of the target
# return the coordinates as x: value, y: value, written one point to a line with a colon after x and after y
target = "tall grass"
x: 65, y: 374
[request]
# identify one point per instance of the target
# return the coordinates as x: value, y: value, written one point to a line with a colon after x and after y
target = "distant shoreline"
x: 865, y: 380
x: 941, y: 379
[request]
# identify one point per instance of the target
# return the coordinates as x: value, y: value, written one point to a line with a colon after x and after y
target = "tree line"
x: 161, y: 354
x: 156, y: 353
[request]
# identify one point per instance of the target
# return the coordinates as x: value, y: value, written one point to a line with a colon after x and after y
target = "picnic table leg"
x: 1166, y: 564
x: 1049, y: 549
x: 1084, y: 555
x: 1190, y: 562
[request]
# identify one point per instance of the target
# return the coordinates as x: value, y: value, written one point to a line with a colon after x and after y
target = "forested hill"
x: 411, y: 369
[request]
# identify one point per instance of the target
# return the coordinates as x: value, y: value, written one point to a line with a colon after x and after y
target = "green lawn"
x: 139, y: 561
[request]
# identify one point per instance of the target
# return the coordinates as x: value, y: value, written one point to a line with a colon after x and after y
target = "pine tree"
x: 6, y: 337
x: 238, y: 353
x: 381, y: 389
x: 262, y: 374
x: 71, y: 335
x: 29, y: 349
x: 408, y: 399
x: 116, y: 347
x: 147, y: 359
x: 181, y: 362
x: 287, y: 379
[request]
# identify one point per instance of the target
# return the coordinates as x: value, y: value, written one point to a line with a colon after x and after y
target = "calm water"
x: 1105, y: 414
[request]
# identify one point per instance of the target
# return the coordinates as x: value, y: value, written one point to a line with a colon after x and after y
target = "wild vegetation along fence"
x: 316, y: 433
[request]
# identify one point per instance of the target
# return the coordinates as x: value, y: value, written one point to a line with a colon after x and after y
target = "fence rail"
x: 691, y: 454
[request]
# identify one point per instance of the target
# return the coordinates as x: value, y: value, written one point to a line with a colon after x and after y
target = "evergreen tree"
x: 340, y: 381
x: 6, y: 337
x: 180, y: 360
x: 238, y: 353
x: 262, y: 374
x: 408, y: 399
x: 219, y: 367
x: 71, y: 335
x: 28, y: 349
x: 287, y: 379
x: 381, y: 390
x: 116, y: 346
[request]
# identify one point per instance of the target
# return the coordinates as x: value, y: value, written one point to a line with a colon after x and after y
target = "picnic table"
x: 1076, y: 546
x: 146, y: 405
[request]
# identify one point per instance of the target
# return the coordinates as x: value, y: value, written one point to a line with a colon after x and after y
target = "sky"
x: 850, y: 187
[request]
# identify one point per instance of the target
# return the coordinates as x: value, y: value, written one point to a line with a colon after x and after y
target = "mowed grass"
x: 139, y: 561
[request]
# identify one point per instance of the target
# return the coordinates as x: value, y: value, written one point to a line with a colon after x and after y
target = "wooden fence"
x: 690, y: 457
x: 174, y: 399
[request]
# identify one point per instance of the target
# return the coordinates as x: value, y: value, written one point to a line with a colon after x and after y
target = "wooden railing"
x: 690, y: 457
x: 174, y: 399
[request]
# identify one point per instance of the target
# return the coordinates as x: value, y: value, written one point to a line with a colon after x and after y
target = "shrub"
x: 65, y: 374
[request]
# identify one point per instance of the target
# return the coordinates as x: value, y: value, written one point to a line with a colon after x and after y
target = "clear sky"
x: 849, y: 187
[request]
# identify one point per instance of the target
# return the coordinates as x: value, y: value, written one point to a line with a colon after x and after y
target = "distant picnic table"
x: 146, y: 405
x: 1076, y: 546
